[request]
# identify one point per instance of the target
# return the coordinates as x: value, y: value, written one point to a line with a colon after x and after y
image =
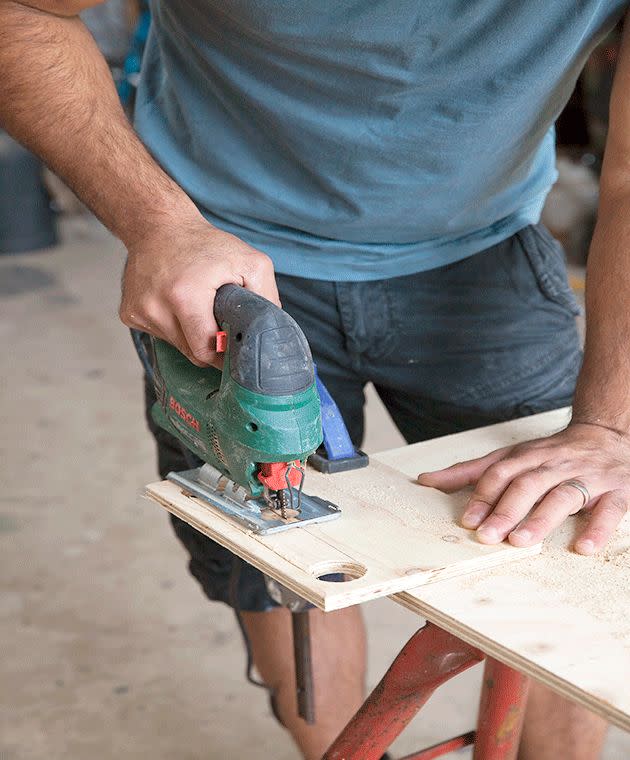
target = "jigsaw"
x: 255, y: 423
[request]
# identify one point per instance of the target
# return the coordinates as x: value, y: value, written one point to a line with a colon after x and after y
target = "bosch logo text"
x: 182, y: 412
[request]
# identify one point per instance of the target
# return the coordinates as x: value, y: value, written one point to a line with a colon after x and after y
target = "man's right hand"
x: 63, y: 106
x: 171, y: 279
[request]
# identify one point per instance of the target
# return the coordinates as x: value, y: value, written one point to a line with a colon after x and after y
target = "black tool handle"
x: 303, y: 665
x: 268, y: 351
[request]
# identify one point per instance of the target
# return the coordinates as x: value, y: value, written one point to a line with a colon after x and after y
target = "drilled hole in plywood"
x: 338, y: 572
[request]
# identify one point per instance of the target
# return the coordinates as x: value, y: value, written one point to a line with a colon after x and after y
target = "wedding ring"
x: 586, y: 497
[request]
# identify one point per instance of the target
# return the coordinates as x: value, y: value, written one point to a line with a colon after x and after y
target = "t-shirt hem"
x: 355, y: 265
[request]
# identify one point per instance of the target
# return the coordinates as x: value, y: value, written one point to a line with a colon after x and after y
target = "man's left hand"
x: 523, y: 492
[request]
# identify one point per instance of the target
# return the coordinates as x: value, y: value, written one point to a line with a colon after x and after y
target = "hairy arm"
x: 603, y: 393
x: 57, y: 97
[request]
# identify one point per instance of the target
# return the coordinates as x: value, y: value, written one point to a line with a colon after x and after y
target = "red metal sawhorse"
x: 429, y: 659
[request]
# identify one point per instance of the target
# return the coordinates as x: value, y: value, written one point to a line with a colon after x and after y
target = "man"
x: 391, y: 160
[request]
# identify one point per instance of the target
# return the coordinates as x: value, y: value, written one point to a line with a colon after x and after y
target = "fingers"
x: 259, y: 277
x: 194, y: 305
x: 462, y: 474
x: 164, y: 326
x: 555, y: 507
x: 175, y: 301
x: 604, y: 519
x: 523, y: 491
x: 195, y: 315
x: 491, y: 486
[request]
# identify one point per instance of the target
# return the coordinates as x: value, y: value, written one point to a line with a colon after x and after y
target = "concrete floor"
x: 109, y: 650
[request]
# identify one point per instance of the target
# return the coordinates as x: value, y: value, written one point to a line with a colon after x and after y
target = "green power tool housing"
x: 256, y: 422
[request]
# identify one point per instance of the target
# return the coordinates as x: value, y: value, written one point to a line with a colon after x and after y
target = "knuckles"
x: 615, y: 507
x: 262, y: 261
x: 259, y: 265
x: 524, y: 486
x: 141, y: 315
x: 178, y: 294
x: 566, y: 495
x: 598, y: 535
x: 498, y: 472
x: 126, y: 316
x: 504, y: 521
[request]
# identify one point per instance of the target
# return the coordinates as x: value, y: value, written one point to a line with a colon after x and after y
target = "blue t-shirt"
x: 364, y: 139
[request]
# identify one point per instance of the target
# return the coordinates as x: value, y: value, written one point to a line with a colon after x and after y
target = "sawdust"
x: 599, y: 584
x: 398, y: 495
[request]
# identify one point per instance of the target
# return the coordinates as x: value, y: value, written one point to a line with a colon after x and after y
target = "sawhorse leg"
x: 430, y: 658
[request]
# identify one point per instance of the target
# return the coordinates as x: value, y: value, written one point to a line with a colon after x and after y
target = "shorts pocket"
x: 546, y: 260
x: 536, y: 382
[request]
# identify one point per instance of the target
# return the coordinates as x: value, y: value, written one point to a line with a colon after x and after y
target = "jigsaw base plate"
x: 254, y: 514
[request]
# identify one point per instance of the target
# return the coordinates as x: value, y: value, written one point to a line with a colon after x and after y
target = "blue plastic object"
x: 336, y: 437
x: 338, y: 453
x: 133, y: 61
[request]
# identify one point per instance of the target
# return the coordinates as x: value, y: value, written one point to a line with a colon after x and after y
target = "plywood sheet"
x: 559, y: 617
x: 392, y: 535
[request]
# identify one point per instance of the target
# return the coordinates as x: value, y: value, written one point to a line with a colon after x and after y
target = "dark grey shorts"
x: 489, y: 338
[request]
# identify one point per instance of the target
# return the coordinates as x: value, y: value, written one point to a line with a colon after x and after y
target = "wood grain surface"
x: 392, y: 535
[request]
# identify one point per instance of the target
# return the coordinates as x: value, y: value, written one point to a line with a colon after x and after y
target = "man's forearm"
x: 57, y: 97
x: 603, y: 392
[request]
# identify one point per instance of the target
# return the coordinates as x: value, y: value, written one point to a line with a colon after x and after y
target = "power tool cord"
x: 143, y: 354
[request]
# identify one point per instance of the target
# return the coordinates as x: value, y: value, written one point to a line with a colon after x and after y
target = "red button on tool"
x: 221, y: 342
